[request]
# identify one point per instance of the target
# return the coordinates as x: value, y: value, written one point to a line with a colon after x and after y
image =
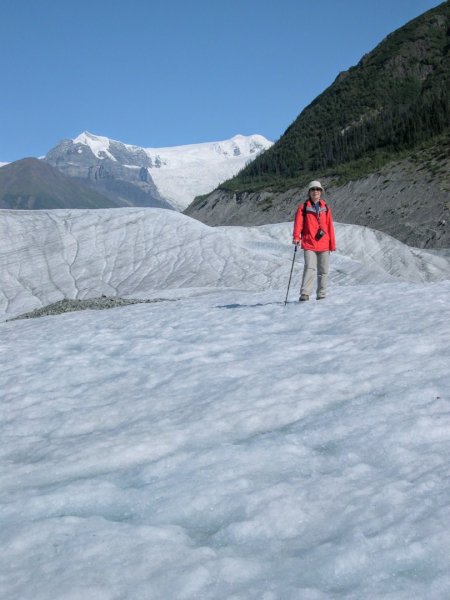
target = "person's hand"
x: 296, y: 242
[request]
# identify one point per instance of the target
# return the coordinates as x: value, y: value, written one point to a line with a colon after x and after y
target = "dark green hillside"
x: 33, y: 184
x: 395, y: 99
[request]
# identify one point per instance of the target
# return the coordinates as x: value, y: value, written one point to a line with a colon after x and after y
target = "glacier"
x: 220, y: 445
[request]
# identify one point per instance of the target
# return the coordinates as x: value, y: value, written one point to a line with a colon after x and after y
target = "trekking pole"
x: 290, y: 276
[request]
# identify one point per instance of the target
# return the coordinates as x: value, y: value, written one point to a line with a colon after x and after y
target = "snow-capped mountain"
x: 174, y: 174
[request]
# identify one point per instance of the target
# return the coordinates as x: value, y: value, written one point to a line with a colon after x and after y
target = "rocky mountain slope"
x: 378, y: 138
x: 33, y: 184
x: 408, y: 199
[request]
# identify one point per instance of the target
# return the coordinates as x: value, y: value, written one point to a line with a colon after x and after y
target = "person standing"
x: 314, y: 229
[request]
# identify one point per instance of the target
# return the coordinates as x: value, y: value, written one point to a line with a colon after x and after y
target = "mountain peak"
x: 99, y: 145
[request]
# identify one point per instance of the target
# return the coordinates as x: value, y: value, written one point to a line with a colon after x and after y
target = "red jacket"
x: 306, y: 227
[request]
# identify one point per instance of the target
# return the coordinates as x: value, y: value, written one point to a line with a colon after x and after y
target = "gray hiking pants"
x: 316, y: 264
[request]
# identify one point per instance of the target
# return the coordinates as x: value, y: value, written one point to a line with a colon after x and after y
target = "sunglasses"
x: 315, y: 189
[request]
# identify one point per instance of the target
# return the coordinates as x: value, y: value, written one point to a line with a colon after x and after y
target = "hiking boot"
x: 304, y: 297
x: 321, y: 297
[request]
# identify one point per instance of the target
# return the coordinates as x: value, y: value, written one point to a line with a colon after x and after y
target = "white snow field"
x: 220, y: 445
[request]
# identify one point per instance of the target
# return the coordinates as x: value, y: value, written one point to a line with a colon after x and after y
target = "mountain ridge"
x: 128, y: 175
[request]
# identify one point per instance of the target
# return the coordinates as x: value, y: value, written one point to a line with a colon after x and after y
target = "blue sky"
x: 175, y: 72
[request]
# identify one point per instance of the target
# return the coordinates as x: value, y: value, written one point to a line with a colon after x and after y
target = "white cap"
x: 315, y: 184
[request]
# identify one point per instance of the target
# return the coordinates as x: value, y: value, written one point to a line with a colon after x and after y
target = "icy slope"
x: 189, y: 171
x: 46, y: 256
